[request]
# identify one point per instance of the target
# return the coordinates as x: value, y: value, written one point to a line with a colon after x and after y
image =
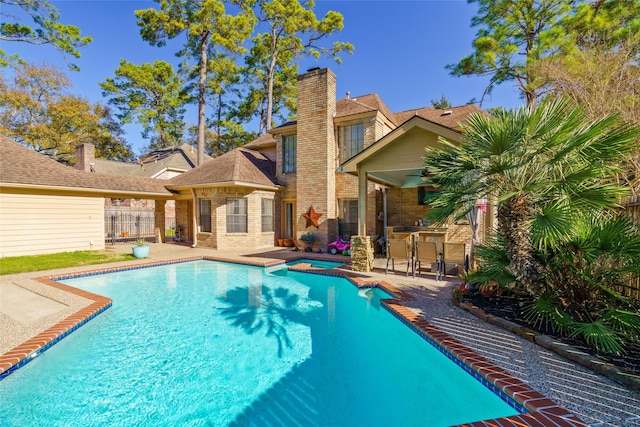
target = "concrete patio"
x: 28, y: 307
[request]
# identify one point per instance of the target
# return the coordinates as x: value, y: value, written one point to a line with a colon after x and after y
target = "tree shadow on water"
x: 260, y: 308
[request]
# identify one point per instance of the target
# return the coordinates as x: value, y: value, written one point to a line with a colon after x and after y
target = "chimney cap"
x: 312, y: 69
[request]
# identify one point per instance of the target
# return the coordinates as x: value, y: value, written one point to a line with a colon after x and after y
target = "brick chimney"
x: 316, y: 152
x: 85, y: 157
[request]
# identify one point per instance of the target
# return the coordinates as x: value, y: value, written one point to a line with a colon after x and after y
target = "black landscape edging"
x: 584, y: 359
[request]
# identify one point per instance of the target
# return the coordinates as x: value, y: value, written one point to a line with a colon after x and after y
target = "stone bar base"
x: 361, y: 253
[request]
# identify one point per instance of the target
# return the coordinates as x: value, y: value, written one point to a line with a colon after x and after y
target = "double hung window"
x: 351, y: 140
x: 236, y: 215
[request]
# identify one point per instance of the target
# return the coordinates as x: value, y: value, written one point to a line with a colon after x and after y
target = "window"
x: 236, y: 215
x: 348, y: 221
x: 289, y: 152
x: 351, y: 140
x: 204, y: 210
x: 267, y: 215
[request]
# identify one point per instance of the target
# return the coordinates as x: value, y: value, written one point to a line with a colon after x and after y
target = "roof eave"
x: 229, y: 183
x: 282, y: 129
x: 96, y: 192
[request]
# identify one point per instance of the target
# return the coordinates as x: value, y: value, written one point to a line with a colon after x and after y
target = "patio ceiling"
x: 404, y: 178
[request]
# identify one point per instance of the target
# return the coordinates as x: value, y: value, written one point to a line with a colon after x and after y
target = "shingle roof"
x: 112, y: 167
x: 266, y: 140
x: 448, y: 117
x: 22, y: 166
x: 181, y: 157
x: 188, y: 153
x: 241, y: 165
x: 363, y: 104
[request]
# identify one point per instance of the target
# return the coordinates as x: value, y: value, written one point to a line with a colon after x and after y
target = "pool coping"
x: 542, y: 411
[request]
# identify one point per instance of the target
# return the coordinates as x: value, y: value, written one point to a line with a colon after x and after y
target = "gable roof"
x: 263, y: 141
x: 180, y: 157
x: 364, y: 104
x: 240, y: 166
x: 186, y: 153
x: 447, y: 117
x: 21, y: 167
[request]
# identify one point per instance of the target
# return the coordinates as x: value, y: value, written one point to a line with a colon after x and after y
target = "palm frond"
x: 599, y: 336
x: 623, y: 321
x: 552, y: 225
x: 545, y: 311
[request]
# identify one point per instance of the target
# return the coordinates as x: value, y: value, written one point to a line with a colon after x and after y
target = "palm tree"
x: 544, y: 167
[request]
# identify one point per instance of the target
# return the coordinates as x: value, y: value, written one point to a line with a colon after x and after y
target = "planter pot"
x: 308, y: 246
x: 140, y: 251
x: 288, y: 242
x: 280, y: 242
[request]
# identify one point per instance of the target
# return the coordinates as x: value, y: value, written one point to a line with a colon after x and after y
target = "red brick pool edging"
x: 542, y: 411
x: 28, y: 350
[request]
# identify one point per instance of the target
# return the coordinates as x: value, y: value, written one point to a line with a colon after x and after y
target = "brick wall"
x: 403, y: 210
x: 254, y: 238
x: 316, y: 176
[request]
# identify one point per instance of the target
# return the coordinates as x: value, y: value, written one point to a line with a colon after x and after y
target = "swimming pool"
x: 209, y: 343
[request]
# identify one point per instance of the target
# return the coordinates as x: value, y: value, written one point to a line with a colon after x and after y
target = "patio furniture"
x: 427, y: 252
x: 453, y: 253
x: 398, y: 249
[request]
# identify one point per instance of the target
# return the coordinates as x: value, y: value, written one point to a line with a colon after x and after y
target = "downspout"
x: 194, y: 219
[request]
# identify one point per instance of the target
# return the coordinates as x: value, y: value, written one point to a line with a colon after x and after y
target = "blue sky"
x: 401, y: 50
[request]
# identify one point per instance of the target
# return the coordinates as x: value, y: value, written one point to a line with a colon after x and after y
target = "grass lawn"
x: 27, y: 263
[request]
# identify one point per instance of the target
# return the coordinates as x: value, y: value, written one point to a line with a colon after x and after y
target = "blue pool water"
x: 327, y: 265
x: 214, y: 344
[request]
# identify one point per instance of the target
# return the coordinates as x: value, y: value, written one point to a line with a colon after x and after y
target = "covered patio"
x: 396, y: 163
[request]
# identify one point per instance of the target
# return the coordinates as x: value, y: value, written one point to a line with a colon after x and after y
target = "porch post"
x: 362, y: 202
x: 361, y: 245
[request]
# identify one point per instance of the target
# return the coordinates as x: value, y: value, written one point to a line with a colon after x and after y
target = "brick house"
x: 352, y: 161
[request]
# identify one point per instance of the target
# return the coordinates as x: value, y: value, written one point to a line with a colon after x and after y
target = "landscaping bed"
x: 509, y: 308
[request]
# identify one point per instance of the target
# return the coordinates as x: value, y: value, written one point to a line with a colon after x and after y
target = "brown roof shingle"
x: 22, y: 166
x: 363, y: 104
x: 239, y: 165
x: 266, y: 140
x: 448, y: 117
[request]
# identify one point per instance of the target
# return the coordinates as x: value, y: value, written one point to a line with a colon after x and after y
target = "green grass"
x: 28, y: 263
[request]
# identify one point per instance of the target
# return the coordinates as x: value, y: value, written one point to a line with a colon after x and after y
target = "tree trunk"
x: 270, y: 77
x: 201, y: 97
x: 513, y: 224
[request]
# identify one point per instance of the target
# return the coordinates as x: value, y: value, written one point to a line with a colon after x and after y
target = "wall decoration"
x: 312, y: 217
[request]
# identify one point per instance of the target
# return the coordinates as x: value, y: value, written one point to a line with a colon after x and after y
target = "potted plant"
x: 308, y: 238
x: 140, y: 249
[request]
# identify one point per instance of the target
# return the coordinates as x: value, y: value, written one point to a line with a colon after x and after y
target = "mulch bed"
x: 509, y: 308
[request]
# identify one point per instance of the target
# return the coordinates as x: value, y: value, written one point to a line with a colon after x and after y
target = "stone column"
x: 159, y: 219
x: 361, y: 253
